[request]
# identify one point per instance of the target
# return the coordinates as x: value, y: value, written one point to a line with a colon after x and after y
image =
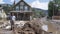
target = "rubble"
x: 31, y: 28
x: 27, y: 27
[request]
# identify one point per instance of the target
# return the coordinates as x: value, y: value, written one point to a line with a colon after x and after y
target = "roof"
x: 22, y: 1
x: 5, y: 5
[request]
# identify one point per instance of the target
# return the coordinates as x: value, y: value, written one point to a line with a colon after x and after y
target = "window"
x: 26, y: 7
x: 17, y: 8
x: 21, y: 7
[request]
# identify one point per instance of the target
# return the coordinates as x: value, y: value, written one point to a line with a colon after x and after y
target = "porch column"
x: 24, y: 16
x: 17, y: 15
x: 31, y: 16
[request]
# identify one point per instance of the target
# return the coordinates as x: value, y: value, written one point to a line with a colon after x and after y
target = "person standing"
x: 12, y: 20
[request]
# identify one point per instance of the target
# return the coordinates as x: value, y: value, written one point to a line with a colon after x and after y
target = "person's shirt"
x: 13, y: 18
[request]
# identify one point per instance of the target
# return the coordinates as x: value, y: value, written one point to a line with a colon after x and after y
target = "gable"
x: 21, y: 5
x: 22, y: 2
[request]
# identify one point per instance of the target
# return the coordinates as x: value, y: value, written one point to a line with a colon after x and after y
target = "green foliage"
x: 57, y: 1
x: 50, y: 9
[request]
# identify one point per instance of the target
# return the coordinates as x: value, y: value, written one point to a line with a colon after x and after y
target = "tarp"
x: 45, y: 27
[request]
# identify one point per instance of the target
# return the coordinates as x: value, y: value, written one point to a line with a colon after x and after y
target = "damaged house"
x: 22, y: 10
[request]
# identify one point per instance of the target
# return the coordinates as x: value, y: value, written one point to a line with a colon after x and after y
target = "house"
x: 22, y: 10
x: 3, y: 5
x: 2, y: 13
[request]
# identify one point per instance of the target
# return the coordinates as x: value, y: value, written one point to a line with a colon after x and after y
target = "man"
x: 12, y: 20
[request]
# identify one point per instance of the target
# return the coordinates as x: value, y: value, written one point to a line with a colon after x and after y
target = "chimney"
x: 14, y: 2
x: 14, y: 5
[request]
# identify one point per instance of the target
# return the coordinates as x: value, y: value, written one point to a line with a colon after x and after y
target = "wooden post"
x: 17, y: 15
x: 24, y: 16
x: 30, y: 16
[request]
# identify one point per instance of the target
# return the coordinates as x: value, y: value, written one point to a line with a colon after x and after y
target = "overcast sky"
x: 42, y: 4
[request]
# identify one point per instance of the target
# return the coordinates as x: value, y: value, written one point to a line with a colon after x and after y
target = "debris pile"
x: 31, y: 28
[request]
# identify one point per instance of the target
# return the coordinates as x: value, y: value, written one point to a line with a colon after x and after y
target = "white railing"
x: 20, y: 11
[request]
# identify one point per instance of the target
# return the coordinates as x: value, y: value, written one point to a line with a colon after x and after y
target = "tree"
x: 50, y: 9
x: 57, y: 1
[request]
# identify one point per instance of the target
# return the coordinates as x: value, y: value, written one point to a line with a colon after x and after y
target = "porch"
x: 22, y: 15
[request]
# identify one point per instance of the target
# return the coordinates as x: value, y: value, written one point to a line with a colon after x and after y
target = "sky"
x: 42, y: 4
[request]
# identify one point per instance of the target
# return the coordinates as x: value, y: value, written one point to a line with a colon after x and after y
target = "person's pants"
x: 12, y: 24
